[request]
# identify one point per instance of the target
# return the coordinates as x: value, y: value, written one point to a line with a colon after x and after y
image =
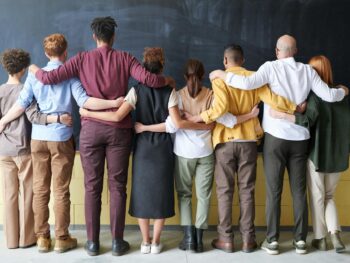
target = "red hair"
x: 323, y: 67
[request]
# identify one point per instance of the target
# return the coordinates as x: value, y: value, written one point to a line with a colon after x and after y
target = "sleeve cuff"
x: 169, y: 125
x: 23, y: 104
x: 42, y: 119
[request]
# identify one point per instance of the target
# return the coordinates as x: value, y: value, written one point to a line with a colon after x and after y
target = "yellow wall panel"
x: 77, y: 200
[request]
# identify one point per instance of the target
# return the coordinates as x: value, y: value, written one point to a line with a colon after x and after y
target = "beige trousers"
x: 17, y: 178
x: 52, y: 161
x: 323, y: 210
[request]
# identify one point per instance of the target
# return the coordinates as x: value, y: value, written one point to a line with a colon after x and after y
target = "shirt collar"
x: 234, y: 69
x: 288, y: 60
x: 54, y: 63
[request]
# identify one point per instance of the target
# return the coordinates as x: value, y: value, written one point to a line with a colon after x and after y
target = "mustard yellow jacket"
x: 238, y: 102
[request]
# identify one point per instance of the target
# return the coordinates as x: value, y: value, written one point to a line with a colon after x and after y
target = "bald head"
x: 286, y: 47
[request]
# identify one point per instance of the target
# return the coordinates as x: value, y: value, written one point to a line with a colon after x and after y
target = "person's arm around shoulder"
x: 114, y: 116
x: 275, y: 101
x: 322, y: 90
x: 220, y: 105
x: 138, y: 72
x: 35, y: 116
x: 68, y: 70
x: 254, y: 81
x: 307, y: 119
x: 87, y: 102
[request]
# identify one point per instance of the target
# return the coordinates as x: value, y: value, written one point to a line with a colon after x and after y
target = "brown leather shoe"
x: 224, y: 246
x: 63, y: 245
x: 249, y: 247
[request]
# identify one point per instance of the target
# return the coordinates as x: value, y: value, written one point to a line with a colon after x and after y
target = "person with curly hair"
x: 53, y: 149
x: 152, y: 192
x: 15, y: 159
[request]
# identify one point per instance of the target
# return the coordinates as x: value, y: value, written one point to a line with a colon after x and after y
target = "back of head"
x: 233, y: 55
x: 286, y: 47
x: 194, y: 72
x: 15, y: 60
x: 153, y: 59
x: 323, y: 67
x: 55, y: 45
x: 104, y: 28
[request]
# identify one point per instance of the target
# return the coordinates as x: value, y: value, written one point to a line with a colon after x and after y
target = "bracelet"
x: 58, y: 118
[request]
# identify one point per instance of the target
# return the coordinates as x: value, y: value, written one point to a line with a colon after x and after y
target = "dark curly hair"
x: 14, y: 60
x: 103, y: 28
x: 153, y: 59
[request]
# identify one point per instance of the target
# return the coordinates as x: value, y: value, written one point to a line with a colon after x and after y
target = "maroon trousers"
x: 98, y: 142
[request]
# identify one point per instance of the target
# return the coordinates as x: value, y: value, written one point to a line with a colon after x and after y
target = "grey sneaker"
x: 320, y: 244
x: 300, y: 246
x: 271, y: 248
x: 337, y: 243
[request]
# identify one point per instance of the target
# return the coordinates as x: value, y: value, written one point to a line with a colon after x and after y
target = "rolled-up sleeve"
x: 79, y: 92
x: 170, y: 126
x: 131, y: 97
x: 26, y: 96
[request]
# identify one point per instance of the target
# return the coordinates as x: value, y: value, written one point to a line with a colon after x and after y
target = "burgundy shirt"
x: 104, y: 73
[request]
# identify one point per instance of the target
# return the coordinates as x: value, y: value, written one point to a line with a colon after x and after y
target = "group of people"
x: 216, y: 133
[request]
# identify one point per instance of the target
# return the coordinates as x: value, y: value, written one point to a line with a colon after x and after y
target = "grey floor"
x: 171, y: 253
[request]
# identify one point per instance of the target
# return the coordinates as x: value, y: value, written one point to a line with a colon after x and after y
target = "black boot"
x: 199, y: 239
x: 188, y: 242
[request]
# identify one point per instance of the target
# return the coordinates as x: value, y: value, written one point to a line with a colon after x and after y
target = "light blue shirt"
x: 53, y: 100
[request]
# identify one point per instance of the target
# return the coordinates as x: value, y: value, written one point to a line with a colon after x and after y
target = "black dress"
x: 152, y: 192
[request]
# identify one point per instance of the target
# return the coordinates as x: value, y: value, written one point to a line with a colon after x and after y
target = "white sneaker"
x: 300, y: 247
x: 156, y: 248
x: 145, y: 248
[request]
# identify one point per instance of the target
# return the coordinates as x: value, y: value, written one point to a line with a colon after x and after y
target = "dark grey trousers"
x: 278, y: 155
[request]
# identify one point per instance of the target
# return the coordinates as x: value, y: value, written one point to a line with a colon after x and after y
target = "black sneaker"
x: 271, y: 248
x: 119, y: 247
x: 300, y: 246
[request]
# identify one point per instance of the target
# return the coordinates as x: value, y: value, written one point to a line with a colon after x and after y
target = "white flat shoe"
x: 156, y: 248
x: 145, y: 248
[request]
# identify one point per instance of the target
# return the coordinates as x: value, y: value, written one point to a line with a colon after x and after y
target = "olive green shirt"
x: 329, y: 125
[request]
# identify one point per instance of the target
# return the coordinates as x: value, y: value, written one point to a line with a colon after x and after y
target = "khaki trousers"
x: 323, y: 210
x: 52, y: 161
x: 236, y: 158
x: 201, y: 170
x: 17, y: 178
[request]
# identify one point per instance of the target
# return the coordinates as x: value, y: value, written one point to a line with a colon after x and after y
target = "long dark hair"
x: 194, y: 72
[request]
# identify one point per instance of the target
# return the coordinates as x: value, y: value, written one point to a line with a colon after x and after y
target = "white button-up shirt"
x: 292, y: 80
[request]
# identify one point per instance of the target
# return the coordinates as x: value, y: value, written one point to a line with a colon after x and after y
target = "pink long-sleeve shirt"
x: 104, y: 73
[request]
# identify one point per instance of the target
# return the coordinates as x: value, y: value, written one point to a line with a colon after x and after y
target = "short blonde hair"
x: 55, y: 45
